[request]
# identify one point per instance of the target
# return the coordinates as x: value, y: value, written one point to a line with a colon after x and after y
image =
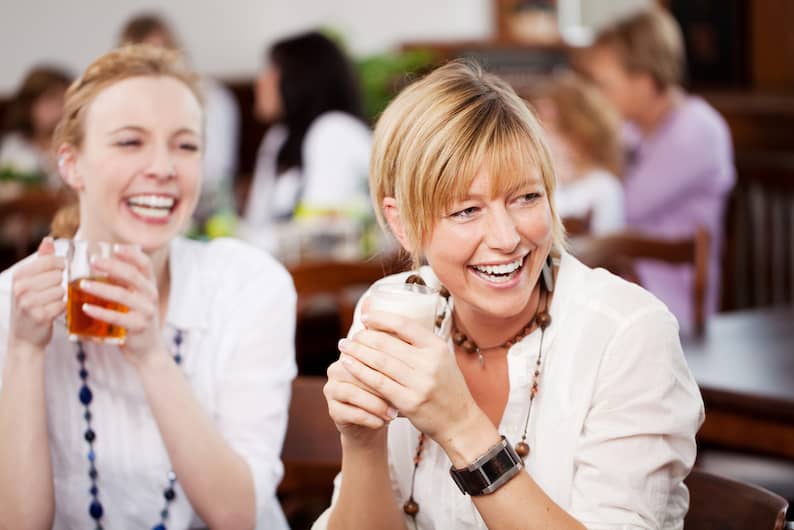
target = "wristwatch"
x: 490, y: 471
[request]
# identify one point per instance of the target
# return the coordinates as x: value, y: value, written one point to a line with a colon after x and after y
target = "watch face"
x: 490, y: 471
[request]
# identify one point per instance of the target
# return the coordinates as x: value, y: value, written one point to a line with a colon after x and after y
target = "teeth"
x: 152, y: 201
x: 506, y: 268
x: 153, y: 213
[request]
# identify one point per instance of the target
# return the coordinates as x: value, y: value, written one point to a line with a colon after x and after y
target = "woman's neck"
x: 658, y: 109
x: 488, y: 330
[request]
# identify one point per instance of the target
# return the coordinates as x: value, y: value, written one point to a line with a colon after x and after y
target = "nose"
x: 162, y: 165
x: 501, y: 233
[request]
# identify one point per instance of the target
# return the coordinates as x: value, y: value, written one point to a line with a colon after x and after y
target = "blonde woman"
x: 557, y: 396
x: 583, y: 131
x: 182, y: 425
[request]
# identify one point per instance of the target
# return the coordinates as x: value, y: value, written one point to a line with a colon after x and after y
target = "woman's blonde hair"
x: 138, y: 60
x: 434, y: 137
x: 648, y: 41
x: 584, y: 117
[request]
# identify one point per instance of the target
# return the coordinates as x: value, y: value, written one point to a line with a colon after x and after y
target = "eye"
x: 129, y: 142
x: 189, y: 146
x: 465, y: 213
x: 528, y: 198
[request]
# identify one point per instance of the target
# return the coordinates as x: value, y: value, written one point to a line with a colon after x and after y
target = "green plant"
x: 383, y: 75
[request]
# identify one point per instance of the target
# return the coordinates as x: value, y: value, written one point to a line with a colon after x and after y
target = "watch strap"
x: 490, y: 471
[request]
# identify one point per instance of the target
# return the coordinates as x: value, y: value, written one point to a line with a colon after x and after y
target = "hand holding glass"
x: 80, y: 325
x: 416, y: 302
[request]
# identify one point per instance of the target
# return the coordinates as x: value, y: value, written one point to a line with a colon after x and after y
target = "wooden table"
x: 744, y: 365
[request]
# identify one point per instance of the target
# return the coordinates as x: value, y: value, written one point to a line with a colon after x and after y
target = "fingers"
x: 369, y: 347
x: 133, y: 255
x: 355, y: 396
x: 38, y: 282
x: 131, y: 299
x: 127, y: 274
x: 343, y: 414
x: 381, y: 384
x: 405, y: 328
x: 46, y: 247
x: 38, y: 265
x: 133, y: 322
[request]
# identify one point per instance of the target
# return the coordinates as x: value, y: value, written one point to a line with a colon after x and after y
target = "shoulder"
x: 598, y: 299
x: 698, y: 121
x: 340, y: 126
x: 229, y: 262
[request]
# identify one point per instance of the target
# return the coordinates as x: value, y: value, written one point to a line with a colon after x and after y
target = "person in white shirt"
x: 583, y: 131
x: 221, y: 115
x: 556, y: 395
x: 315, y: 154
x: 182, y: 424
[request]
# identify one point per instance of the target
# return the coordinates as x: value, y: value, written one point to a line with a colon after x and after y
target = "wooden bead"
x: 544, y: 319
x: 522, y: 449
x: 444, y: 292
x: 411, y: 507
x: 469, y: 346
x: 415, y: 278
x: 458, y: 338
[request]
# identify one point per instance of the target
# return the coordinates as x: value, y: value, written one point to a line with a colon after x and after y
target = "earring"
x: 548, y: 274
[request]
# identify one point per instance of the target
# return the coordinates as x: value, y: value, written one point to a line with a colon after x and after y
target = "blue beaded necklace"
x: 95, y: 508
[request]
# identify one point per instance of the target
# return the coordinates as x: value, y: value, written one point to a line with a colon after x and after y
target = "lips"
x: 501, y: 273
x: 152, y: 207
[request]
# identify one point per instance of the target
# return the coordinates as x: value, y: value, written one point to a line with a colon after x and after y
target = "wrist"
x: 24, y: 350
x: 152, y: 362
x: 370, y: 446
x: 469, y: 439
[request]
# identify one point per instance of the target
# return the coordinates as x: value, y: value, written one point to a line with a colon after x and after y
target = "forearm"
x: 24, y: 445
x: 365, y: 475
x: 520, y: 504
x: 216, y: 479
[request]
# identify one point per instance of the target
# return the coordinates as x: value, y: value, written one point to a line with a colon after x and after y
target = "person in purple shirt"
x: 679, y: 168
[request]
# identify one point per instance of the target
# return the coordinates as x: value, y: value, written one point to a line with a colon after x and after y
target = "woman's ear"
x: 67, y: 167
x: 392, y: 214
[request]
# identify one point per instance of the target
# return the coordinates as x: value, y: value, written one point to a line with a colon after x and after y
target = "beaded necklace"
x: 542, y: 319
x: 95, y: 508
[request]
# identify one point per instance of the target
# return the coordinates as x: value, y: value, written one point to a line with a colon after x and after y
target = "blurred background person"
x: 314, y: 157
x: 33, y: 113
x: 222, y: 118
x: 679, y: 168
x: 583, y: 131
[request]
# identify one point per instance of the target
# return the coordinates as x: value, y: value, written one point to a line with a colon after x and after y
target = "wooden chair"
x: 718, y: 503
x: 578, y: 226
x: 312, y: 454
x: 617, y: 253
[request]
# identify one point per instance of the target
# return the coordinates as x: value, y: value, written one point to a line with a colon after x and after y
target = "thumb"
x: 46, y: 247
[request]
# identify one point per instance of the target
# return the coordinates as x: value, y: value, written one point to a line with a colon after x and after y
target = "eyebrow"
x: 138, y: 128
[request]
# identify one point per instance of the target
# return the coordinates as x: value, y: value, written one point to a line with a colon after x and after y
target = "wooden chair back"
x: 341, y: 281
x: 578, y: 226
x: 617, y: 253
x: 719, y: 503
x: 312, y: 453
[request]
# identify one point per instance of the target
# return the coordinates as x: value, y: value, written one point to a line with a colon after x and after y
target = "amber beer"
x: 83, y: 326
x: 80, y: 325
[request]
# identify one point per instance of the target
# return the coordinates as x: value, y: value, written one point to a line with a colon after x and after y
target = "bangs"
x: 510, y: 152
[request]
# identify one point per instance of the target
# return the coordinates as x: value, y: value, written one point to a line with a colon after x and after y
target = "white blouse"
x: 612, y: 429
x: 334, y: 174
x: 599, y: 193
x: 235, y: 307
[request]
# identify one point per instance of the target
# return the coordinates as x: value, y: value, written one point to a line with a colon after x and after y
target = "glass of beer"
x: 416, y: 302
x: 78, y: 268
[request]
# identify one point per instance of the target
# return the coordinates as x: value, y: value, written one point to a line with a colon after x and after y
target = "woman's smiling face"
x: 138, y: 171
x: 489, y: 248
